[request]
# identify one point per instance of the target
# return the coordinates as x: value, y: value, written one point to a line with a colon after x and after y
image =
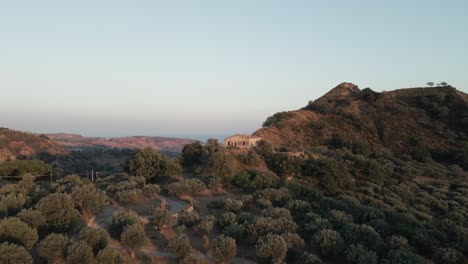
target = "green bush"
x: 23, y: 167
x: 330, y: 176
x: 186, y: 186
x: 11, y: 253
x: 223, y: 248
x: 329, y: 242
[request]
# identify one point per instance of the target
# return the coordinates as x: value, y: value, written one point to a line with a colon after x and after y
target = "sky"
x: 204, y: 68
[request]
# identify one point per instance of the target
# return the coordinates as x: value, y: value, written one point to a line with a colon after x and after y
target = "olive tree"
x: 59, y: 211
x: 161, y: 218
x: 223, y: 248
x: 109, y: 255
x: 96, y: 238
x: 328, y: 241
x: 133, y: 237
x: 272, y: 246
x: 32, y: 217
x: 180, y: 245
x: 120, y: 220
x: 149, y: 164
x: 12, y: 253
x: 89, y: 200
x: 53, y: 248
x: 79, y: 253
x: 358, y: 254
x: 16, y: 231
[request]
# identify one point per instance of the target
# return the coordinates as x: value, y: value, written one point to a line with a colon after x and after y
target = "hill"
x: 78, y: 142
x: 15, y: 143
x: 415, y: 123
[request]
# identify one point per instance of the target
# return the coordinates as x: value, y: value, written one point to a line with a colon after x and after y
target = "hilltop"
x: 414, y: 123
x: 15, y: 143
x: 78, y: 142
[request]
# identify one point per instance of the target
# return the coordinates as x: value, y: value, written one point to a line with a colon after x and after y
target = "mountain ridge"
x: 399, y: 122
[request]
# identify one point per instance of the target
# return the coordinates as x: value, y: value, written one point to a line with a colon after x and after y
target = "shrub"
x: 329, y: 242
x: 233, y: 205
x: 358, y: 254
x: 151, y: 190
x: 96, y: 238
x: 79, y: 253
x: 264, y: 179
x: 227, y: 219
x: 265, y: 225
x: 206, y: 224
x: 180, y: 245
x: 188, y: 186
x: 23, y: 167
x: 339, y: 218
x: 53, y: 248
x: 329, y: 174
x: 223, y: 248
x: 235, y: 230
x: 189, y: 218
x: 242, y: 180
x: 363, y: 234
x: 16, y: 231
x: 11, y: 253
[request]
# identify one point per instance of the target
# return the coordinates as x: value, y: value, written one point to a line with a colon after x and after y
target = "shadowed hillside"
x: 16, y: 143
x: 417, y: 123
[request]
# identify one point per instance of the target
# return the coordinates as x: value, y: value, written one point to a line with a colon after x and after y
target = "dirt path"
x: 144, y: 210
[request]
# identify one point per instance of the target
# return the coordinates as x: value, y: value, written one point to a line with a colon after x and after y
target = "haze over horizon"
x: 211, y: 68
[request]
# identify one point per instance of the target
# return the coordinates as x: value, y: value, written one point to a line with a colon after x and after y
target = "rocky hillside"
x: 16, y: 143
x: 416, y: 123
x: 77, y: 142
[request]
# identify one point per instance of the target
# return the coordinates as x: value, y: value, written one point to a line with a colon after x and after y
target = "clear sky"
x: 211, y: 68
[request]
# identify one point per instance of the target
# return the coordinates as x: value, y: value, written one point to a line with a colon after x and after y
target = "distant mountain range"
x: 78, y: 142
x: 15, y: 144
